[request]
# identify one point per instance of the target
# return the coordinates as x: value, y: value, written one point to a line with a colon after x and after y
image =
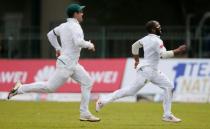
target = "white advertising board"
x: 191, y: 79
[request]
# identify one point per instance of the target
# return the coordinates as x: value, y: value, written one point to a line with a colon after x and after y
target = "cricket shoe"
x: 13, y: 92
x: 90, y: 118
x: 99, y: 104
x: 171, y: 118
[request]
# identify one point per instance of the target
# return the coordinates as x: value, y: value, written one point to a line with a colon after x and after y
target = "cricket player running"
x: 147, y: 70
x: 68, y: 53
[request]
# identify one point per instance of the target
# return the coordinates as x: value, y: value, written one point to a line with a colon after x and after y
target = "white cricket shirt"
x: 72, y: 40
x: 152, y: 46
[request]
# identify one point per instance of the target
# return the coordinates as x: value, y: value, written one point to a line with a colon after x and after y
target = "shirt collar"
x: 72, y: 20
x: 153, y: 35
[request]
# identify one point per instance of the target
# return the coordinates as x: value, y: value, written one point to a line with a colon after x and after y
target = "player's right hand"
x: 57, y: 53
x: 136, y: 64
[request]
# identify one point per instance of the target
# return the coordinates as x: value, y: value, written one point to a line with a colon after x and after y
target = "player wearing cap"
x: 147, y: 70
x: 68, y: 53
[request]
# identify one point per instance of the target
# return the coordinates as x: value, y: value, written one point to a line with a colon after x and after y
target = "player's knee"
x: 169, y: 86
x: 50, y: 89
x: 168, y: 89
x: 88, y: 83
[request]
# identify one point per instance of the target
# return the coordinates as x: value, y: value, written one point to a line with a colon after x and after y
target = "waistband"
x: 148, y: 66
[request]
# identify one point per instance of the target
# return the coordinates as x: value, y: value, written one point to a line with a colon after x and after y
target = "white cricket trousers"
x: 143, y: 75
x: 60, y: 76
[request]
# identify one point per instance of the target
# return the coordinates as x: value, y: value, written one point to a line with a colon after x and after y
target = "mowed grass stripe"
x: 65, y: 115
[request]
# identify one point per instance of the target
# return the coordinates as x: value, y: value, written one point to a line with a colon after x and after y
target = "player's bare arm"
x: 136, y: 58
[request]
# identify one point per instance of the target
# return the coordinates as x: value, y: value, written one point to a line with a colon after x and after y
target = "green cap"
x: 74, y: 8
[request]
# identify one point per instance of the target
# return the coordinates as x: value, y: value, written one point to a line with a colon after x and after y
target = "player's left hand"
x: 93, y: 48
x: 182, y: 48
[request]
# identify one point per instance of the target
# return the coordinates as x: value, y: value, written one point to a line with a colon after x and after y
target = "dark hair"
x: 71, y: 14
x: 150, y: 25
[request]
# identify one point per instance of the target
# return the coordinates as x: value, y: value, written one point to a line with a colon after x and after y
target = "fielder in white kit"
x: 68, y: 53
x: 147, y: 70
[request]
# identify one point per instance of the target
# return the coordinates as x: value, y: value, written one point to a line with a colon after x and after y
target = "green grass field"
x: 60, y: 115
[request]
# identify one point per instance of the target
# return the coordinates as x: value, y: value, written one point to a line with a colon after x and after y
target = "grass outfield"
x: 55, y: 115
